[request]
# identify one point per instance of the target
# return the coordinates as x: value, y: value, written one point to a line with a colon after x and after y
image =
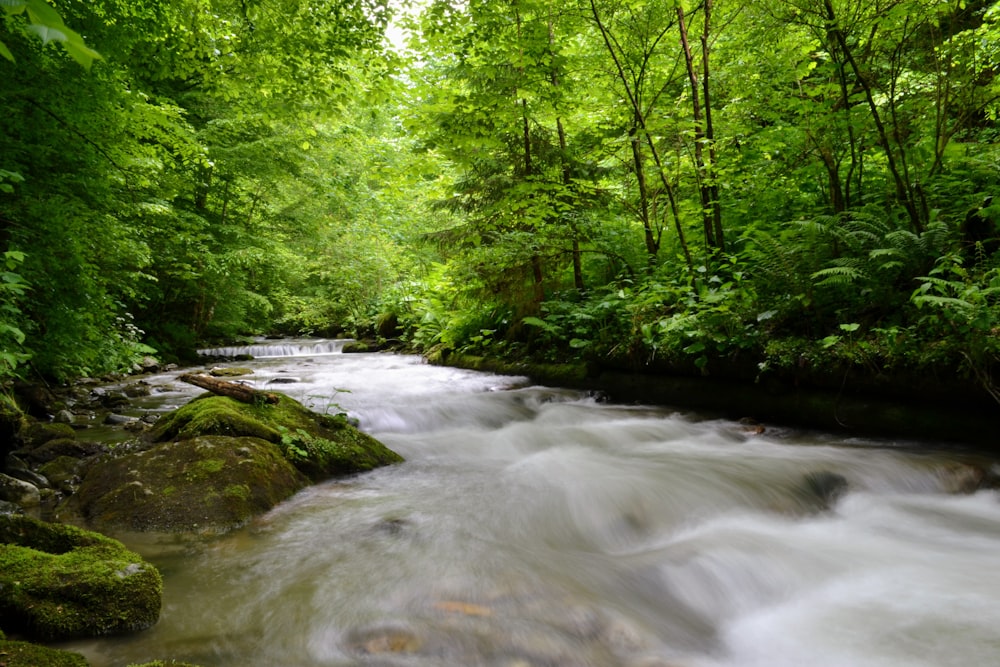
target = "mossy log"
x: 234, y: 390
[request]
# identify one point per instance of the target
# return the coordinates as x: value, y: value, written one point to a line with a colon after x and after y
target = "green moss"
x: 60, y: 582
x: 38, y: 433
x: 239, y: 491
x: 331, y: 445
x: 23, y: 654
x: 206, y: 468
x: 186, y: 485
x: 212, y: 415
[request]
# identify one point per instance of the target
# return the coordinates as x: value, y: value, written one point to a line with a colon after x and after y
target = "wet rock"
x: 19, y: 492
x: 751, y: 426
x: 204, y: 483
x: 380, y: 640
x: 64, y: 417
x: 63, y: 473
x: 29, y: 476
x: 59, y: 582
x: 283, y: 380
x: 149, y: 364
x: 359, y: 346
x: 137, y: 390
x: 109, y: 399
x: 820, y: 490
x: 962, y: 478
x: 39, y: 433
x: 62, y: 447
x: 230, y: 371
x: 25, y: 654
x: 119, y: 420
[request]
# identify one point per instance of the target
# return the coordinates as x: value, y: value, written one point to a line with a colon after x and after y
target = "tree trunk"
x: 240, y: 392
x: 903, y: 191
x: 640, y: 121
x: 711, y: 165
x: 699, y: 135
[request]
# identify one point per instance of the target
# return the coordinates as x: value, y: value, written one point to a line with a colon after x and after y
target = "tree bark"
x: 240, y: 392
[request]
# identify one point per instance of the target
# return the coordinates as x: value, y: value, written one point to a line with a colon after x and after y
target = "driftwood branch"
x: 240, y: 392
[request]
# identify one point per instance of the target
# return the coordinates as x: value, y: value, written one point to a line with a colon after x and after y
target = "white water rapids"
x: 537, y: 527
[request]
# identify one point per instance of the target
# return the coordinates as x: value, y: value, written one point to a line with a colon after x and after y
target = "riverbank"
x: 952, y: 412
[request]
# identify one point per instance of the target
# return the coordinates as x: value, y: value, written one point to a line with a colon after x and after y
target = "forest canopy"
x: 754, y: 188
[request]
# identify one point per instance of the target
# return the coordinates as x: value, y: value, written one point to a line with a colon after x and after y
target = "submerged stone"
x: 60, y: 582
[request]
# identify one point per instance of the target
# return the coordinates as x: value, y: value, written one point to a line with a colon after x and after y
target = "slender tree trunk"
x: 538, y: 277
x: 567, y: 177
x: 652, y: 247
x: 712, y: 165
x: 699, y: 134
x: 640, y: 120
x: 903, y: 191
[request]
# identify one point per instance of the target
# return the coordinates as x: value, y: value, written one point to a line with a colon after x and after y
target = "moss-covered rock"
x: 321, y: 446
x: 212, y: 415
x: 202, y: 483
x: 57, y: 447
x: 36, y: 434
x: 61, y: 582
x: 63, y: 472
x: 164, y: 663
x: 23, y: 654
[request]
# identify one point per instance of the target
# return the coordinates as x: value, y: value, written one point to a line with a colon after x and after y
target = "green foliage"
x: 12, y: 338
x: 45, y: 23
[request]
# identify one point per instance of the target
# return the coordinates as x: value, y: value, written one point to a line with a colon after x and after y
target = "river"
x: 540, y: 527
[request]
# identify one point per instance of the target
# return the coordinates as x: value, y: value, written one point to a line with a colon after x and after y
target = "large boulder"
x: 215, y: 463
x: 321, y: 446
x: 60, y: 582
x: 206, y: 483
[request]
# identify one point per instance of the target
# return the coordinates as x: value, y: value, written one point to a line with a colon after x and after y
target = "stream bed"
x: 539, y: 527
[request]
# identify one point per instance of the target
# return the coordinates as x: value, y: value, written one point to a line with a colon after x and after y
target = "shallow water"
x: 532, y: 526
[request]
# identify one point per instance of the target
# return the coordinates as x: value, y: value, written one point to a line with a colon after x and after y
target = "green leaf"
x: 79, y: 51
x: 5, y: 52
x: 40, y: 12
x: 48, y: 33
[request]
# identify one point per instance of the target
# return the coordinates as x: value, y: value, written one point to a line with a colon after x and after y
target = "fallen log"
x: 240, y: 392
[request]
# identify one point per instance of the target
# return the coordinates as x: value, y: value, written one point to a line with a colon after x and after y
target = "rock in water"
x: 204, y: 483
x: 59, y: 582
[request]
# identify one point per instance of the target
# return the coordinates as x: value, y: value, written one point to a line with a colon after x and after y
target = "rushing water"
x: 537, y: 527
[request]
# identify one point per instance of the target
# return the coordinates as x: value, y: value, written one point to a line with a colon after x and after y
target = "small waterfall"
x: 283, y: 348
